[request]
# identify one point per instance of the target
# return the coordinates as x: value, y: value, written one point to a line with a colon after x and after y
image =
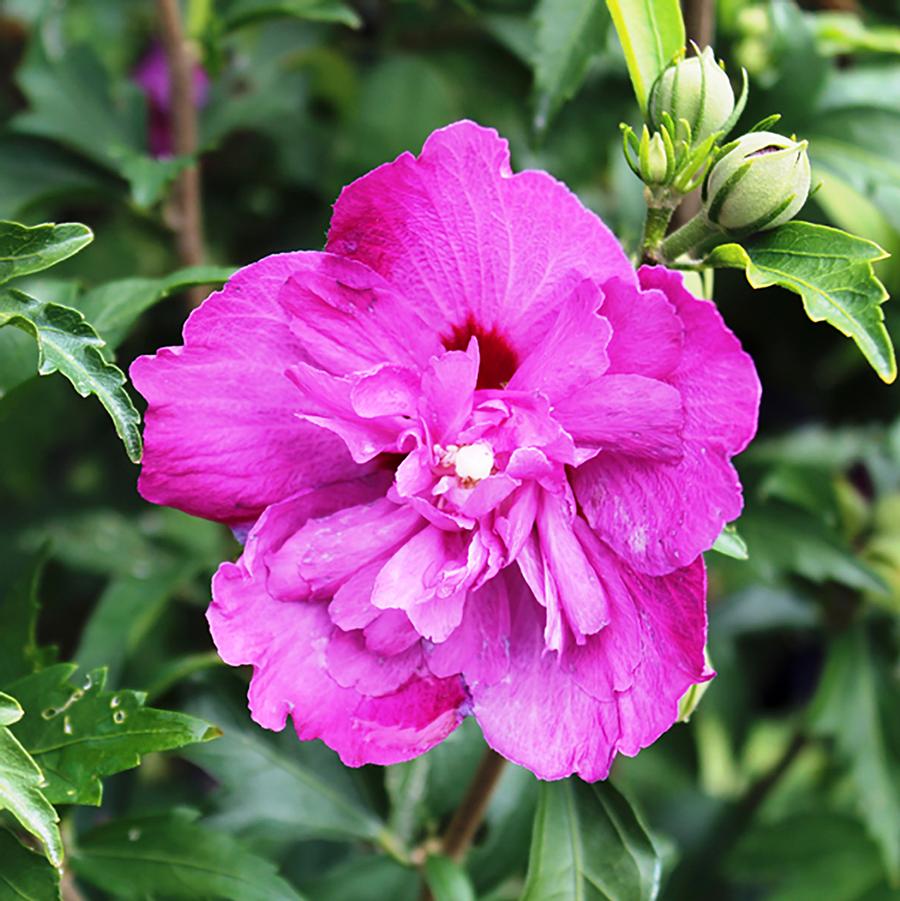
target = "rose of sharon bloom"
x: 152, y: 77
x: 478, y: 457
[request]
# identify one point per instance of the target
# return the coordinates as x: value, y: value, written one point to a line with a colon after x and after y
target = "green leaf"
x: 79, y: 734
x: 847, y: 708
x: 173, y: 856
x: 25, y: 876
x: 651, y: 33
x: 731, y: 544
x: 785, y: 539
x: 113, y: 308
x: 447, y: 880
x: 19, y: 652
x: 27, y: 249
x: 831, y: 271
x: 568, y: 34
x: 407, y: 788
x: 21, y: 781
x: 588, y: 843
x: 272, y: 782
x: 245, y: 12
x: 73, y: 100
x: 365, y: 877
x: 809, y: 855
x: 68, y: 344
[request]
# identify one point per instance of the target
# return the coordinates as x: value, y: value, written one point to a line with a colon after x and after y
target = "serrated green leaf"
x: 21, y: 784
x: 245, y: 12
x: 271, y: 782
x: 847, y: 708
x: 114, y: 307
x: 174, y: 856
x: 19, y: 652
x: 731, y: 544
x: 588, y: 844
x: 81, y: 733
x: 651, y: 33
x: 568, y: 33
x: 68, y: 344
x: 831, y: 271
x: 26, y: 249
x: 24, y: 875
x: 447, y: 880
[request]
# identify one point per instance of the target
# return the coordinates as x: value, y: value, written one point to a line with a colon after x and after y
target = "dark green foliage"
x: 784, y: 786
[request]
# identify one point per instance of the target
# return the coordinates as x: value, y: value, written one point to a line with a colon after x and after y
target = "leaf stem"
x: 470, y: 813
x: 187, y: 194
x: 693, y: 235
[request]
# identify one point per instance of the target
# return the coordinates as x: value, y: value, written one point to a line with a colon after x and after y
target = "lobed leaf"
x: 568, y: 34
x: 651, y: 33
x: 172, y: 855
x: 79, y: 734
x: 68, y: 344
x: 588, y: 843
x: 831, y: 271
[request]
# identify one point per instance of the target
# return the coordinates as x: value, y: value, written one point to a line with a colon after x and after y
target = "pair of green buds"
x: 756, y: 182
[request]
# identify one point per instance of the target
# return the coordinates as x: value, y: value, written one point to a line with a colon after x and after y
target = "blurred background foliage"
x: 786, y: 782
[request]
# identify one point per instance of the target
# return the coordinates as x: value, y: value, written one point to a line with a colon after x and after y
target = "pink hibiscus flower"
x: 478, y: 457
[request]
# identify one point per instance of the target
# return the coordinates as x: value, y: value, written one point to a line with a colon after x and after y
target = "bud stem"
x: 655, y: 225
x: 695, y: 235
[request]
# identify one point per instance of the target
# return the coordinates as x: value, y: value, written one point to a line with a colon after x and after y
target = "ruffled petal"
x: 656, y: 515
x: 221, y: 439
x: 287, y: 645
x: 467, y: 241
x: 541, y: 716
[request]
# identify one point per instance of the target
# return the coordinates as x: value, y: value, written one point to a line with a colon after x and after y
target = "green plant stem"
x: 693, y: 235
x: 655, y: 225
x: 470, y: 813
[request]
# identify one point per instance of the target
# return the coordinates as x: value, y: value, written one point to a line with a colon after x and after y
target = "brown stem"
x: 468, y: 816
x: 700, y: 27
x: 188, y: 211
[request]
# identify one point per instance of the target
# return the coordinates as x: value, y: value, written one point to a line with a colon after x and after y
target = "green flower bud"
x: 657, y: 161
x: 759, y: 183
x: 697, y: 90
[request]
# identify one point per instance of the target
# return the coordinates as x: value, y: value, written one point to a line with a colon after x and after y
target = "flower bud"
x: 697, y: 90
x: 657, y: 161
x: 761, y: 182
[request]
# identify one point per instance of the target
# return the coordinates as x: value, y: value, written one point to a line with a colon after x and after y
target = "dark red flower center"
x: 498, y: 359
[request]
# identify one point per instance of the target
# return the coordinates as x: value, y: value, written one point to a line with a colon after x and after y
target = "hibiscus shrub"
x: 505, y: 542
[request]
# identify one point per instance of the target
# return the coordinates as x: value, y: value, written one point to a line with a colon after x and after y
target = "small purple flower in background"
x: 152, y: 77
x: 479, y: 458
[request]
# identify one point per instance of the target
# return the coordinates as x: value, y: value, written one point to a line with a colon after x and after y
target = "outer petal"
x: 716, y: 378
x: 348, y: 319
x: 221, y: 438
x: 540, y: 716
x: 466, y: 240
x: 286, y: 644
